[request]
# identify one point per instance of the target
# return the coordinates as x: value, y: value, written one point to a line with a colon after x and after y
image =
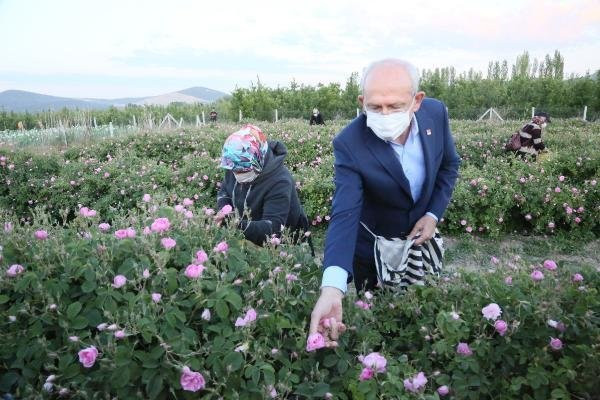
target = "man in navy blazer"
x: 395, y: 170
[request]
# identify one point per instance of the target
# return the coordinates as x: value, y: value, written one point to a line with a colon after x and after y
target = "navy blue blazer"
x: 370, y: 185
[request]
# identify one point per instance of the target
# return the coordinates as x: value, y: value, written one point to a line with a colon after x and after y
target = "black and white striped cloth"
x: 400, y: 263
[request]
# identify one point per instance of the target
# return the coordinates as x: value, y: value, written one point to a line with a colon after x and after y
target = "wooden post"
x: 197, y: 120
x: 95, y: 124
x: 532, y: 111
x: 111, y: 129
x: 240, y: 115
x: 134, y: 121
x: 150, y: 122
x: 357, y: 111
x: 180, y: 121
x: 276, y: 116
x: 585, y: 113
x: 203, y: 120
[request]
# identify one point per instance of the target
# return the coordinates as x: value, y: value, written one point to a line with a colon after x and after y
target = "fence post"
x: 532, y: 111
x: 95, y: 124
x: 180, y: 122
x: 134, y: 121
x: 203, y: 120
x: 150, y: 122
x: 357, y: 111
x: 240, y: 115
x: 197, y: 120
x: 110, y: 128
x: 276, y: 116
x: 585, y: 113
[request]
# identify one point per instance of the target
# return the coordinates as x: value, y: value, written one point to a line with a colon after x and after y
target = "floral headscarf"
x: 245, y: 150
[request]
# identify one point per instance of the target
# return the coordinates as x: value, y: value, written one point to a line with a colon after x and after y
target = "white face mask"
x: 245, y: 177
x: 388, y: 127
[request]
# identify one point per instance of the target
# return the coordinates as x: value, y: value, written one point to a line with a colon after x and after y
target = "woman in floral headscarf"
x: 258, y: 187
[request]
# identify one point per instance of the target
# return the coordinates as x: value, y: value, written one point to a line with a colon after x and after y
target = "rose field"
x: 115, y: 281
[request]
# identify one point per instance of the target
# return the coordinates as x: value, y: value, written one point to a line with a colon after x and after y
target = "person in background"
x: 212, y: 116
x: 259, y: 188
x: 316, y: 118
x: 531, y: 136
x: 395, y: 170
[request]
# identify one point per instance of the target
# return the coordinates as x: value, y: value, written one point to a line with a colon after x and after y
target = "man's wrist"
x: 432, y: 215
x: 335, y: 277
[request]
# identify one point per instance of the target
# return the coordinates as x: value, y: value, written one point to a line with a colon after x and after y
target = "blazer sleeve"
x: 447, y: 173
x: 276, y: 207
x: 341, y: 237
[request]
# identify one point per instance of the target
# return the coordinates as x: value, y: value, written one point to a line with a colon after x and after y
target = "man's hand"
x: 425, y: 228
x: 326, y: 317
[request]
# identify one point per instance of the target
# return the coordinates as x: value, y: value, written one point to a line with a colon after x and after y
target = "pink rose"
x: 551, y: 225
x: 366, y: 374
x: 146, y: 273
x: 120, y: 334
x: 491, y: 311
x: 121, y: 234
x: 494, y: 260
x: 577, y: 277
x: 201, y: 257
x: 160, y: 225
x: 443, y: 390
x: 226, y: 210
x: 179, y: 208
x: 508, y: 280
x: 194, y: 271
x: 501, y: 327
x: 362, y: 304
x: 463, y: 349
x: 41, y: 235
x: 119, y: 281
x: 130, y: 232
x: 208, y: 212
x: 537, y: 275
x: 188, y: 202
x: 14, y: 270
x: 221, y: 247
x: 191, y: 381
x: 557, y: 190
x: 291, y: 277
x: 247, y: 319
x: 146, y: 231
x: 206, y: 314
x: 375, y: 361
x: 415, y: 383
x: 104, y: 227
x: 156, y: 297
x: 275, y: 241
x: 146, y: 198
x: 314, y: 342
x: 88, y: 356
x: 561, y: 178
x: 550, y: 265
x: 556, y: 343
x: 8, y: 227
x: 168, y: 243
x: 577, y: 220
x: 86, y: 212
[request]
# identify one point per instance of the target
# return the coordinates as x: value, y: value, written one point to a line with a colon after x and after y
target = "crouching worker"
x: 259, y: 187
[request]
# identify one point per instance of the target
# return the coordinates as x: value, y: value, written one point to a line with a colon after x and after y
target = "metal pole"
x: 276, y: 116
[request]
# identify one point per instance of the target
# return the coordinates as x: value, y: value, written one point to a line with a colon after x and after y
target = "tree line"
x: 511, y: 89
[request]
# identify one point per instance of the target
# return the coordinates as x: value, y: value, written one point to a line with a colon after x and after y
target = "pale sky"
x: 121, y: 48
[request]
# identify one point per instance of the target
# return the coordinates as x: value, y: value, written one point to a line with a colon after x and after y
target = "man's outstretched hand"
x: 326, y: 317
x: 424, y: 229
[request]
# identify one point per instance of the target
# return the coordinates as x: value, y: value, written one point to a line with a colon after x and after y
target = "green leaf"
x: 120, y: 377
x: 234, y: 299
x: 234, y: 360
x: 80, y: 322
x: 88, y: 286
x: 73, y: 309
x: 3, y: 298
x: 222, y: 309
x: 154, y: 387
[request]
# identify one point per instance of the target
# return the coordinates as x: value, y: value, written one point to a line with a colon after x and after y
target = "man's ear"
x: 361, y: 100
x: 418, y: 100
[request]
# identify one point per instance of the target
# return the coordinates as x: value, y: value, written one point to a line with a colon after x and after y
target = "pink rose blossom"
x: 130, y: 232
x: 362, y: 304
x: 191, y: 381
x: 179, y: 208
x: 463, y: 349
x: 194, y: 271
x: 550, y: 265
x: 8, y: 227
x: 86, y: 212
x: 557, y: 190
x: 508, y: 280
x: 160, y: 225
x: 551, y: 225
x: 463, y: 222
x: 528, y: 217
x: 275, y: 241
x: 291, y: 277
x: 415, y: 383
x: 121, y: 234
x: 226, y: 210
x: 102, y: 326
x: 537, y: 275
x: 491, y: 311
x: 188, y: 214
x: 206, y: 314
x: 188, y: 202
x: 314, y: 342
x: 375, y: 361
x: 14, y: 270
x: 146, y: 198
x: 104, y: 227
x: 577, y: 277
x: 501, y: 327
x: 201, y: 257
x: 146, y: 231
x: 494, y: 260
x: 366, y: 374
x: 146, y: 273
x: 208, y: 212
x: 569, y: 210
x: 120, y: 334
x: 443, y: 390
x: 221, y: 247
x: 561, y: 178
x: 556, y: 343
x: 119, y: 281
x: 469, y: 229
x: 41, y: 235
x: 156, y: 297
x: 247, y: 319
x: 168, y: 243
x: 577, y: 220
x: 455, y: 315
x: 87, y: 356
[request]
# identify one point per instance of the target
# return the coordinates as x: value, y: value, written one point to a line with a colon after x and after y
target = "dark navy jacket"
x: 370, y: 185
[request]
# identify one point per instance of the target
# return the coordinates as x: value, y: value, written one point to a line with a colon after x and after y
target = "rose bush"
x: 82, y: 319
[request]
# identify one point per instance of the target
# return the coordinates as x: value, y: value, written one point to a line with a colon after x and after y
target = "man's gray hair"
x: 410, y: 68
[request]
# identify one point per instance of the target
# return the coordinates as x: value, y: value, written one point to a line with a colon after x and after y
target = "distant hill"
x: 21, y: 101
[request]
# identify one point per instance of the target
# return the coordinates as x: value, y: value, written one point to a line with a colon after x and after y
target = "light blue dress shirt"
x: 410, y: 155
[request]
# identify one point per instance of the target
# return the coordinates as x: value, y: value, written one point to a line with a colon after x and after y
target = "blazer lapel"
x: 426, y: 133
x: 386, y: 156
